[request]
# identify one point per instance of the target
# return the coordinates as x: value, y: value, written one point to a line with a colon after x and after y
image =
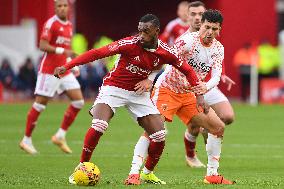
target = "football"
x: 87, y: 175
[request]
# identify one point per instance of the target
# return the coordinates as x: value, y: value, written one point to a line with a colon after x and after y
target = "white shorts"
x: 47, y: 84
x: 137, y: 105
x: 214, y: 96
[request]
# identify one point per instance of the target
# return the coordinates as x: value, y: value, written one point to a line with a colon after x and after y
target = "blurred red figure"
x: 139, y: 56
x: 55, y: 42
x: 177, y: 26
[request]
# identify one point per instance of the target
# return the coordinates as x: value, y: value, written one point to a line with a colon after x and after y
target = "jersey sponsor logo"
x: 199, y: 65
x: 61, y: 29
x: 137, y: 70
x: 214, y: 55
x: 62, y: 40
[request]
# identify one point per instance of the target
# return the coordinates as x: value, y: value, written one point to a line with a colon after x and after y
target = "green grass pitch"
x: 252, y: 154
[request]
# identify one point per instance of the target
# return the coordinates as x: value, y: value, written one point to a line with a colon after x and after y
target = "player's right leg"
x: 46, y: 86
x: 102, y: 114
x: 32, y: 117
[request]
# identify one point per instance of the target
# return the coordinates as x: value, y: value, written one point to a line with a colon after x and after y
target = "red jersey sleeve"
x: 46, y: 32
x: 94, y: 54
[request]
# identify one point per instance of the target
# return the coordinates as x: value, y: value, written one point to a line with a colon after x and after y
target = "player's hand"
x: 143, y: 86
x: 200, y: 102
x: 225, y: 79
x: 76, y: 71
x: 69, y: 53
x: 200, y: 88
x: 59, y: 71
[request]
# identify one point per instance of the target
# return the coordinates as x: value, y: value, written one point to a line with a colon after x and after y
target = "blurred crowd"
x: 90, y: 78
x: 264, y: 56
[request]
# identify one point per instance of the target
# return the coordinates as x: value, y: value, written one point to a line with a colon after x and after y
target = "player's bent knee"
x: 228, y: 119
x: 158, y: 136
x: 78, y: 104
x: 219, y: 129
x: 99, y: 125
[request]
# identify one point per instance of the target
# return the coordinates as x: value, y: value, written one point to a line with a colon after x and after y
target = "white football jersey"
x: 205, y: 60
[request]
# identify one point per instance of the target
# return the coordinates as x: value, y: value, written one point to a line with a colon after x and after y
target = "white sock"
x: 27, y: 140
x: 140, y: 152
x: 213, y: 148
x: 146, y: 171
x: 60, y: 133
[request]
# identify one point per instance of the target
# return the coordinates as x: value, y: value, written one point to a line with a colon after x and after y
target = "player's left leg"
x: 153, y: 125
x: 70, y: 85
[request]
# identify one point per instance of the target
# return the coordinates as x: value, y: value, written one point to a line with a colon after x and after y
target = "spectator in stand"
x: 27, y: 76
x: 243, y: 60
x: 7, y: 75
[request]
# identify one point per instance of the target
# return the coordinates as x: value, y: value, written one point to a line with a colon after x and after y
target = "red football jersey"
x: 135, y: 63
x: 58, y: 33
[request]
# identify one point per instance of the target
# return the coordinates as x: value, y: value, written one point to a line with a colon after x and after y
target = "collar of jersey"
x: 153, y: 50
x: 61, y: 21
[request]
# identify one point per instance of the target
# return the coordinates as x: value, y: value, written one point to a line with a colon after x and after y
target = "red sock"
x: 31, y: 121
x: 189, y: 148
x: 69, y: 117
x: 154, y: 153
x: 91, y: 140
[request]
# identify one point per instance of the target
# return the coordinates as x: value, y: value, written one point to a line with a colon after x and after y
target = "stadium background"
x: 252, y: 152
x: 243, y: 20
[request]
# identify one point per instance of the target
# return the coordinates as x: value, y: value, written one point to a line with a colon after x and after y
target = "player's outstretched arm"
x: 93, y: 55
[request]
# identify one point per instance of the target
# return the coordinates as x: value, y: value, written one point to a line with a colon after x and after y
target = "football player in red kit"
x: 139, y: 56
x: 55, y: 42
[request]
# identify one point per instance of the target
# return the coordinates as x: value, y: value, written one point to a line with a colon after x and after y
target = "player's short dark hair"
x: 196, y: 4
x: 151, y: 18
x: 213, y: 16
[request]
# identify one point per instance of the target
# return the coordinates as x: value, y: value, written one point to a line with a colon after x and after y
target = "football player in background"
x: 55, y: 42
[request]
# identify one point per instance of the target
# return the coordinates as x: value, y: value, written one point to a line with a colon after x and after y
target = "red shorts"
x: 170, y: 103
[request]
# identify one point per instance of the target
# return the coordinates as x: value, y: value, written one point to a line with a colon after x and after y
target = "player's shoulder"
x: 187, y: 38
x: 166, y: 48
x: 218, y: 45
x: 131, y: 40
x: 50, y: 22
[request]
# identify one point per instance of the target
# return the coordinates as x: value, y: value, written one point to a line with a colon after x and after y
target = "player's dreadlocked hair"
x: 150, y: 18
x: 213, y: 16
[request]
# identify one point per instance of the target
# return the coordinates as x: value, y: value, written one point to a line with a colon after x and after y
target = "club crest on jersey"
x: 61, y: 29
x: 137, y: 58
x: 156, y: 61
